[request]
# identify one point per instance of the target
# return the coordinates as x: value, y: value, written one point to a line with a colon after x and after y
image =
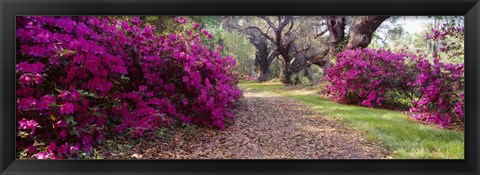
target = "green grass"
x: 404, y: 137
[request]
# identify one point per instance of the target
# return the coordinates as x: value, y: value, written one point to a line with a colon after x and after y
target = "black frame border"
x: 11, y: 8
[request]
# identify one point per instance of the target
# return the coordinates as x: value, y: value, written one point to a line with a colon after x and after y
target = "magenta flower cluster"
x: 442, y: 33
x: 82, y: 79
x: 364, y: 77
x: 441, y: 87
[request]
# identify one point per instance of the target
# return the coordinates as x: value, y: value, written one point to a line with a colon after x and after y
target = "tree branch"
x: 318, y: 60
x: 291, y: 26
x: 272, y: 56
x: 266, y: 19
x: 289, y: 44
x: 261, y: 32
x: 287, y: 20
x: 302, y: 50
x: 320, y: 34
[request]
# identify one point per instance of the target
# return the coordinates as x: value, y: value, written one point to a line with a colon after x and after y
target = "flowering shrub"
x: 364, y: 77
x: 441, y: 87
x: 80, y: 79
x: 450, y: 37
x: 444, y: 32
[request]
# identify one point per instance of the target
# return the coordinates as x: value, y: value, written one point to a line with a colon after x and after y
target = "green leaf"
x: 124, y: 78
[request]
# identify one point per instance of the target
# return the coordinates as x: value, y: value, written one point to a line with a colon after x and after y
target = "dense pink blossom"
x: 204, y: 31
x: 63, y: 149
x: 181, y: 20
x: 52, y: 147
x: 441, y: 87
x: 67, y: 108
x: 196, y: 25
x: 78, y: 74
x: 365, y: 76
x: 42, y: 155
x: 45, y: 102
x: 26, y: 103
x: 31, y: 68
x: 25, y: 124
x: 136, y: 20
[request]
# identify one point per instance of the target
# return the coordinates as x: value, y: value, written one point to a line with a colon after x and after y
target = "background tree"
x: 362, y: 29
x: 292, y: 40
x: 283, y: 40
x: 359, y: 35
x: 232, y: 42
x: 298, y: 42
x: 336, y: 30
x: 264, y: 54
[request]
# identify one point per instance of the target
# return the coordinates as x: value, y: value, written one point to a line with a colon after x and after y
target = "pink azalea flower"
x: 42, y: 155
x: 204, y: 31
x: 196, y: 26
x: 67, y: 108
x: 27, y: 124
x: 52, y: 147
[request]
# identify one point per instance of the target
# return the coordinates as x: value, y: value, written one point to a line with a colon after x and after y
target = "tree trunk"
x: 263, y: 73
x: 263, y: 57
x: 283, y: 41
x: 286, y: 72
x: 336, y: 28
x: 362, y: 30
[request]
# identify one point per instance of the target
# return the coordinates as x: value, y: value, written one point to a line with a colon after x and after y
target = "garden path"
x: 267, y: 126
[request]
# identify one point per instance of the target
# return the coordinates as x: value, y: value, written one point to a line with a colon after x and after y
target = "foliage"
x: 451, y: 38
x: 444, y: 36
x: 442, y: 82
x: 275, y: 69
x: 441, y: 86
x: 433, y: 85
x: 365, y: 76
x: 81, y: 78
x: 310, y: 75
x: 239, y: 47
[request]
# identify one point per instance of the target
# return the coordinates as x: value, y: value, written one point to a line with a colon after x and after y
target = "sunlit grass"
x: 404, y: 137
x: 260, y: 86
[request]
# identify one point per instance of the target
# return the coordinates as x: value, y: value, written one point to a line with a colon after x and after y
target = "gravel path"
x: 267, y: 126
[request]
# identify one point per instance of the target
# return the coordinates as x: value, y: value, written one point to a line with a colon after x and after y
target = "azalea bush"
x: 367, y: 77
x: 448, y: 41
x: 82, y: 79
x: 440, y: 87
x: 441, y: 84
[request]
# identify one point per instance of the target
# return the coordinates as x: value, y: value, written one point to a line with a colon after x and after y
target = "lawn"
x: 404, y: 137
